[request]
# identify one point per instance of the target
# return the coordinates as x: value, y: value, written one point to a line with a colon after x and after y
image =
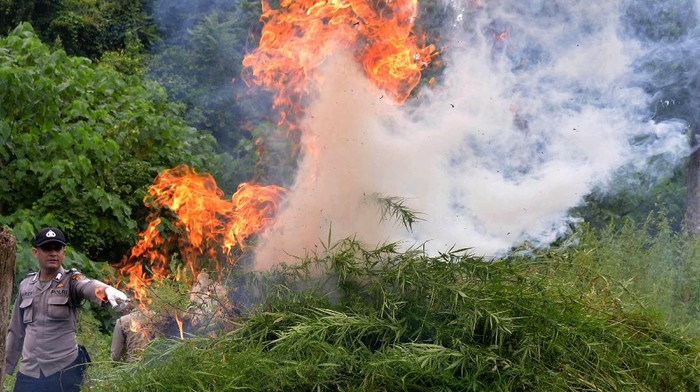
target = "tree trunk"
x: 692, y: 194
x: 7, y: 282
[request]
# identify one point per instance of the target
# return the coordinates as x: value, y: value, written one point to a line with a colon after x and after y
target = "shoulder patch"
x: 32, y: 276
x: 77, y: 276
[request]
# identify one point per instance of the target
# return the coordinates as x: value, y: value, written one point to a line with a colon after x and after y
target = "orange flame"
x: 101, y: 293
x: 300, y: 34
x: 208, y: 226
x: 135, y: 326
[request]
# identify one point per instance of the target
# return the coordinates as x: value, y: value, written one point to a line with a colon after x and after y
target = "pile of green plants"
x: 386, y: 319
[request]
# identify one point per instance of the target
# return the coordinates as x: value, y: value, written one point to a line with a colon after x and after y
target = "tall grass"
x: 358, y: 319
x: 640, y: 266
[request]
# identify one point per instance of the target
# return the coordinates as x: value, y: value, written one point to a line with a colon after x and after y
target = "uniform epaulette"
x: 30, y: 274
x: 75, y: 275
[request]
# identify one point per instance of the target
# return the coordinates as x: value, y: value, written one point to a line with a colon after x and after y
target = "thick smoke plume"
x: 540, y: 102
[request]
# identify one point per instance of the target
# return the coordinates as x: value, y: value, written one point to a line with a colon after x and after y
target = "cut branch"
x: 393, y: 207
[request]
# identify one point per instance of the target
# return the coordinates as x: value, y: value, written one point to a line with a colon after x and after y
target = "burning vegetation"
x: 192, y: 227
x: 348, y: 317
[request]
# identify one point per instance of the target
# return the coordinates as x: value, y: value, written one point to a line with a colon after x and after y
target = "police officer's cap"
x: 47, y: 235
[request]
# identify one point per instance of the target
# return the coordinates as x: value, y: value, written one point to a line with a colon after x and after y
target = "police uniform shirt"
x: 44, y: 321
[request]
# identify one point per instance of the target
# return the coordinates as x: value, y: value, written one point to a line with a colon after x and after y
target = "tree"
x: 82, y: 27
x: 673, y: 77
x: 7, y: 269
x: 199, y: 64
x: 79, y: 144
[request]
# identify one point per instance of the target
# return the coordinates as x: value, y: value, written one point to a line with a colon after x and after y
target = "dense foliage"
x: 82, y: 27
x: 652, y: 267
x: 358, y: 319
x: 79, y: 143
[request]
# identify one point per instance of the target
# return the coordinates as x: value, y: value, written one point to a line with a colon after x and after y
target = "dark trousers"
x: 67, y: 380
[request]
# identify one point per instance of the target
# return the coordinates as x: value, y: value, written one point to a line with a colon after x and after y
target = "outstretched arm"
x: 100, y: 293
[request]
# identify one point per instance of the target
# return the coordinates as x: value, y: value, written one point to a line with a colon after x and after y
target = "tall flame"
x: 179, y: 327
x: 300, y: 34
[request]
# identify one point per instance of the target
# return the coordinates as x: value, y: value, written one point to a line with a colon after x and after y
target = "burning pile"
x: 190, y: 216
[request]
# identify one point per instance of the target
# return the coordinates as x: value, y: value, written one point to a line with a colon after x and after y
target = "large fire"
x: 300, y: 34
x: 296, y: 38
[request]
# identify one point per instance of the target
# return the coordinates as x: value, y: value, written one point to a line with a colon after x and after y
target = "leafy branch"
x: 394, y: 207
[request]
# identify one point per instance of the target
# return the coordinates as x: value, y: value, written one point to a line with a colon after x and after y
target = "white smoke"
x: 537, y: 106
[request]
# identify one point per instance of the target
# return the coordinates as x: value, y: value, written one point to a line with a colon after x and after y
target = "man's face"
x: 50, y: 256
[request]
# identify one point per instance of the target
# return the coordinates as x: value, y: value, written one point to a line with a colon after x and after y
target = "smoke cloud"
x: 540, y: 103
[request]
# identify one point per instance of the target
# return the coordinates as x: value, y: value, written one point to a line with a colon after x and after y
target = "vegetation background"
x: 98, y: 97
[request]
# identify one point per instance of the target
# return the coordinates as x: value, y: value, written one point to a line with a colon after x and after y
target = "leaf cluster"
x: 641, y: 266
x: 83, y: 27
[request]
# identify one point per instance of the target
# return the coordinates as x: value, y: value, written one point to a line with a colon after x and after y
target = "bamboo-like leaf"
x: 394, y: 207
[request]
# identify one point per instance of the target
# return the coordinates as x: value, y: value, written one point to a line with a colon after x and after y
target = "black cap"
x: 47, y: 235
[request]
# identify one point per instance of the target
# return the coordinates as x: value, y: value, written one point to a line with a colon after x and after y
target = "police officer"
x: 43, y: 326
